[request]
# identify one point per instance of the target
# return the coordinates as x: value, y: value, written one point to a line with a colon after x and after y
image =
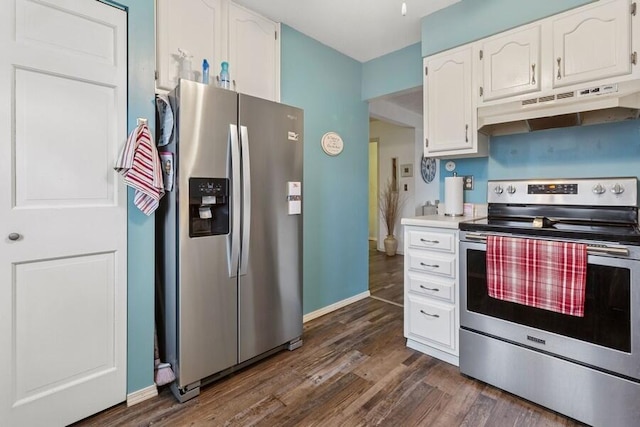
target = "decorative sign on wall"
x: 332, y: 143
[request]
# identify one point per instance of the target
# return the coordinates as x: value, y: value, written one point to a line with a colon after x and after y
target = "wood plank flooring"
x: 354, y: 369
x: 386, y: 275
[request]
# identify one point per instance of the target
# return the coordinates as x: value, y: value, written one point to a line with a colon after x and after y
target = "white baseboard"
x: 142, y: 395
x: 333, y: 307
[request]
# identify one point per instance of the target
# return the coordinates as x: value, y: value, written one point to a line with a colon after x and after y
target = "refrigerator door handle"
x: 234, y: 236
x: 246, y: 200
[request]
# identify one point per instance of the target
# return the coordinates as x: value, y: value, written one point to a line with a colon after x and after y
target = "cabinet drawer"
x: 432, y: 322
x: 425, y: 262
x: 431, y: 287
x: 432, y: 240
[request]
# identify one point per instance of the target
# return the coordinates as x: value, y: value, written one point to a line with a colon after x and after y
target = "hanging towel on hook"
x: 139, y: 163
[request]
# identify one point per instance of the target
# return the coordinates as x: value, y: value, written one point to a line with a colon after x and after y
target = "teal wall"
x: 470, y: 20
x: 327, y: 85
x: 394, y: 72
x: 604, y: 150
x: 140, y: 237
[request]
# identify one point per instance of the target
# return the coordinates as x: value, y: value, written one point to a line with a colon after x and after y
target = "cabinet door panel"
x: 511, y: 64
x: 426, y: 262
x: 435, y: 241
x: 448, y: 102
x: 592, y: 44
x: 432, y: 323
x: 191, y: 25
x: 252, y: 53
x: 430, y: 286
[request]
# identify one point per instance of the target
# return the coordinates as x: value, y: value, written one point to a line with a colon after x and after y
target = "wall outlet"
x: 468, y: 182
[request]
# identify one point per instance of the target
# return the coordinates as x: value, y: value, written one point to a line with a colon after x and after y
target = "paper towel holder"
x: 454, y: 202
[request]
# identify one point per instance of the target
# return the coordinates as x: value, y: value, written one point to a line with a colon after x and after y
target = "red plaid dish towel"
x: 538, y: 273
x: 139, y: 163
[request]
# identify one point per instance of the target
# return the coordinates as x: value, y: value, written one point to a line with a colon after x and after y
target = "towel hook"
x: 141, y: 121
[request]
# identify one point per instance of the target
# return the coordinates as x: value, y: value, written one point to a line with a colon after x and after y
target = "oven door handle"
x: 608, y: 250
x: 597, y: 250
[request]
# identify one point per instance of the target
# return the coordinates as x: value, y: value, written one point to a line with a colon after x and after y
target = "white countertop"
x: 439, y: 221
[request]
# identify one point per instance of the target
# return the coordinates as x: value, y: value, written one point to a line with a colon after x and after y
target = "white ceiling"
x: 360, y: 29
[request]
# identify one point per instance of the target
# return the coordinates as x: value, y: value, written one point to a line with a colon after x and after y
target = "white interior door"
x: 62, y: 210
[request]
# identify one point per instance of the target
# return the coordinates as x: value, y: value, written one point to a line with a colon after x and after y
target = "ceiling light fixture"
x: 404, y: 8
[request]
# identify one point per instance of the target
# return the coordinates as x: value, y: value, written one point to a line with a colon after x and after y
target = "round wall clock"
x: 332, y: 143
x: 428, y: 168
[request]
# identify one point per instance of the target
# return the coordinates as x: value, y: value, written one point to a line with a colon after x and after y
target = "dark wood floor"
x: 353, y: 370
x: 386, y: 275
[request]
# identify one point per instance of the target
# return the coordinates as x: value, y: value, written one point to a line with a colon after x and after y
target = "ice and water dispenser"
x: 208, y: 206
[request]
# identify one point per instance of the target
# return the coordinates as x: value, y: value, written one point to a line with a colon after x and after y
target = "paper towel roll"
x: 453, y: 189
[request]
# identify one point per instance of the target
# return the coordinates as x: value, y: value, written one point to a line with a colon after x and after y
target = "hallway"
x: 386, y: 276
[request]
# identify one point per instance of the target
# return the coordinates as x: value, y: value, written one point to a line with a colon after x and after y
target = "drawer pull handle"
x: 429, y: 265
x: 430, y: 315
x: 435, y: 242
x: 430, y: 289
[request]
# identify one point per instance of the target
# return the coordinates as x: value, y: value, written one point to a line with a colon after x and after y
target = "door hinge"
x: 634, y: 58
x: 155, y: 74
x: 481, y: 54
x: 276, y: 34
x: 426, y: 71
x: 481, y: 91
x: 634, y: 9
x: 426, y: 143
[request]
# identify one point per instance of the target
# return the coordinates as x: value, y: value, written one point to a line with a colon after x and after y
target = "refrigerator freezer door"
x: 207, y: 294
x: 270, y: 291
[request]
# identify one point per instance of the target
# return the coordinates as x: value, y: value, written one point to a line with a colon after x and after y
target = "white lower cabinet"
x: 431, y: 308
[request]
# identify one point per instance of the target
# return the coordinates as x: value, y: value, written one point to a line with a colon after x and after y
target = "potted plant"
x: 389, y: 203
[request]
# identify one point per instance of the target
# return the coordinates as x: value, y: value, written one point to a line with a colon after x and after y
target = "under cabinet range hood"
x: 584, y: 106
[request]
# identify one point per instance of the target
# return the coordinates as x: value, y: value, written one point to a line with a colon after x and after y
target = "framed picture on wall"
x: 406, y: 171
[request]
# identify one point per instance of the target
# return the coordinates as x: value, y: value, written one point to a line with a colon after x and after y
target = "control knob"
x: 498, y: 189
x: 617, y: 189
x: 598, y: 189
x: 511, y: 189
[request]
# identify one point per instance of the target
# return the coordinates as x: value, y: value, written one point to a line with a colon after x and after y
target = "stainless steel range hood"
x: 584, y: 106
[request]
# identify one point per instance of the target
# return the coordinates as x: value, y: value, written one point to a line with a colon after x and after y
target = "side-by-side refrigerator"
x: 229, y: 235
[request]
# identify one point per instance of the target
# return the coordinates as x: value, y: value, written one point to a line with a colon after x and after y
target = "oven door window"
x: 607, y: 319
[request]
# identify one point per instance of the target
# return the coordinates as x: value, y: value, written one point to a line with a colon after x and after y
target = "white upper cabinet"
x: 218, y: 30
x: 253, y: 53
x: 194, y: 26
x: 447, y: 91
x: 450, y: 122
x: 592, y: 44
x: 510, y: 64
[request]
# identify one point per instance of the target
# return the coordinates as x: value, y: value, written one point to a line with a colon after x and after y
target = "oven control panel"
x: 553, y: 189
x: 577, y: 191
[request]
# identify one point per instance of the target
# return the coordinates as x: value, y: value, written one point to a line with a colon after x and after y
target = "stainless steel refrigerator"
x: 229, y: 235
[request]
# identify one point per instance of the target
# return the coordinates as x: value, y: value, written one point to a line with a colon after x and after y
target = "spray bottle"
x: 225, y: 82
x: 205, y: 72
x: 185, y: 64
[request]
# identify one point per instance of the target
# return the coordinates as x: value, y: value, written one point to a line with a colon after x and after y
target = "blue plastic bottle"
x: 205, y: 72
x: 225, y: 82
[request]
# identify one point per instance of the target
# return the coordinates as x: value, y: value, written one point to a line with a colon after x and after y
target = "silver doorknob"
x: 14, y: 236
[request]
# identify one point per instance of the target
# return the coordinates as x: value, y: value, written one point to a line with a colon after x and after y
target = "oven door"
x: 606, y: 338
